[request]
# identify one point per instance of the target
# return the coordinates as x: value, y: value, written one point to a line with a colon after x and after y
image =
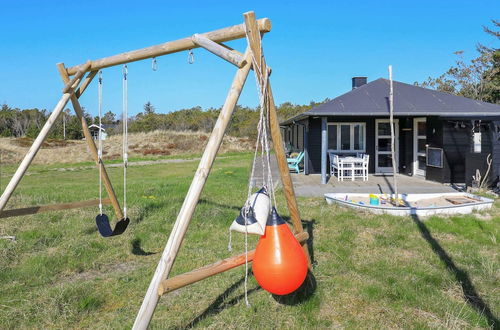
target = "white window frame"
x: 351, y: 137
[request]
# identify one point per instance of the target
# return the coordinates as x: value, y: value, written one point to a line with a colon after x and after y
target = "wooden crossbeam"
x: 221, y: 35
x: 81, y: 71
x: 221, y: 266
x: 52, y: 207
x: 227, y: 54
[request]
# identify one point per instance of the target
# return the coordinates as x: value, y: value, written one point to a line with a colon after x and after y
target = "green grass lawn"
x: 371, y: 271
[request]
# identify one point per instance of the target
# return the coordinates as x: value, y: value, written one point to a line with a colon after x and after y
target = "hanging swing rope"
x: 125, y: 138
x: 102, y: 220
x: 262, y: 142
x: 99, y: 148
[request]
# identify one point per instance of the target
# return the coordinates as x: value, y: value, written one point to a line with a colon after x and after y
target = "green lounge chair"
x: 293, y: 163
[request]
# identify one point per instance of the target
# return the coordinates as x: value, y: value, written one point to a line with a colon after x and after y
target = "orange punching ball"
x: 279, y: 263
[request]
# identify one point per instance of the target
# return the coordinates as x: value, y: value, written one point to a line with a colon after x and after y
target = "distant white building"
x: 94, y: 131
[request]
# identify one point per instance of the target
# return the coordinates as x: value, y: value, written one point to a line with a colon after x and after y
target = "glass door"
x: 419, y: 146
x: 383, y: 156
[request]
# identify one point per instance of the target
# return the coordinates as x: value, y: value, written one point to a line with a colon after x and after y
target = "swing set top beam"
x: 226, y: 34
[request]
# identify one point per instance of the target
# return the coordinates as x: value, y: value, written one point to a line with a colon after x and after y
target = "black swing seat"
x: 102, y: 222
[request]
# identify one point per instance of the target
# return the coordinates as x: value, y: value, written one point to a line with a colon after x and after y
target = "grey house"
x: 439, y: 136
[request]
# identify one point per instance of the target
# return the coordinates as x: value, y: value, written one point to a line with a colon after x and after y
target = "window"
x: 346, y: 137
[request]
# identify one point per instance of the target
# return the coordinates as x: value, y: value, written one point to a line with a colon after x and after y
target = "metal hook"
x: 190, y: 57
x: 125, y: 71
x: 154, y: 64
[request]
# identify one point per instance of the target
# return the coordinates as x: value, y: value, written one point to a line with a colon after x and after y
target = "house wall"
x: 314, y: 145
x: 460, y: 162
x: 293, y: 135
x: 495, y: 145
x: 474, y: 160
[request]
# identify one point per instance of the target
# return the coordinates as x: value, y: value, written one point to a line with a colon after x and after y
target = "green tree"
x: 478, y: 79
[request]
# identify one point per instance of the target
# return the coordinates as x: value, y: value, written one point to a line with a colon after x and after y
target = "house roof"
x: 97, y: 127
x: 372, y: 99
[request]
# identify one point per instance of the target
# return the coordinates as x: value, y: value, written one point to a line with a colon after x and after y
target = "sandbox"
x: 421, y: 205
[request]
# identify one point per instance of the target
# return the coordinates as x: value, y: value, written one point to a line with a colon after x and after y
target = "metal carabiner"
x: 190, y: 57
x: 154, y: 64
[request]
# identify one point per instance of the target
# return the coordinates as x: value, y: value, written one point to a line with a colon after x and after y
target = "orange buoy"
x: 279, y: 263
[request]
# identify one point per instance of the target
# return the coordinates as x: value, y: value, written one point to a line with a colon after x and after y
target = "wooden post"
x: 286, y: 179
x: 221, y: 35
x: 14, y: 181
x: 185, y: 214
x: 393, y: 152
x: 229, y: 55
x: 90, y: 141
x: 324, y: 148
x: 221, y: 266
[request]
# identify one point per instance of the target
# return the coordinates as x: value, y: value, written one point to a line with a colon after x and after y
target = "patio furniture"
x: 360, y: 167
x: 293, y: 163
x: 338, y: 167
x: 349, y: 167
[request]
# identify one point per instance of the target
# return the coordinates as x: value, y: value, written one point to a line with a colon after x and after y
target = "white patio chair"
x: 366, y: 162
x: 360, y: 169
x: 333, y: 163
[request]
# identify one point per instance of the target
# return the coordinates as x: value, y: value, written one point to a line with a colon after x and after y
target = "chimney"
x: 358, y: 82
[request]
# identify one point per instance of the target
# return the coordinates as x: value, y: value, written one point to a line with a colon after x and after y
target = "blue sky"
x: 314, y: 48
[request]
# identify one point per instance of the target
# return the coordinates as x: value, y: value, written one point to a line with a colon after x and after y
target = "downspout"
x: 324, y: 138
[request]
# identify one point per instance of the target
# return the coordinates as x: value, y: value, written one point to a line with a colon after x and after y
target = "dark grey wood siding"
x: 495, y: 141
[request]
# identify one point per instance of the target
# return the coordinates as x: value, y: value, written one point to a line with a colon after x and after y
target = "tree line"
x: 478, y: 79
x: 16, y: 122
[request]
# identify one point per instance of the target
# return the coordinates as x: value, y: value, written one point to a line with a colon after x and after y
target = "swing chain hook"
x: 125, y: 71
x: 154, y: 64
x: 190, y: 57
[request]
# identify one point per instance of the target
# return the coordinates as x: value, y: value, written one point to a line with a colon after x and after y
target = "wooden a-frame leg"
x: 25, y: 163
x: 185, y: 214
x: 286, y: 179
x: 88, y: 137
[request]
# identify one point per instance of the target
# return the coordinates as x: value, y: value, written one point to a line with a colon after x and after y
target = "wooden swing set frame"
x: 75, y: 86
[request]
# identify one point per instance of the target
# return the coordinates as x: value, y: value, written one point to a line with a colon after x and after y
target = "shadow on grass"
x: 221, y: 302
x: 206, y: 201
x: 469, y: 291
x: 137, y: 249
x: 90, y: 230
x: 303, y: 293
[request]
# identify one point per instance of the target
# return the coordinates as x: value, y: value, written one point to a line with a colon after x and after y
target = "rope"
x: 261, y: 79
x: 125, y: 138
x: 99, y: 150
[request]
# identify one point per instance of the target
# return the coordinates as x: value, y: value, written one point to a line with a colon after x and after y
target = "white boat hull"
x: 482, y: 203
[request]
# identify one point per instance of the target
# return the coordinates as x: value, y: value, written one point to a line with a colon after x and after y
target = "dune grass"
x: 371, y: 271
